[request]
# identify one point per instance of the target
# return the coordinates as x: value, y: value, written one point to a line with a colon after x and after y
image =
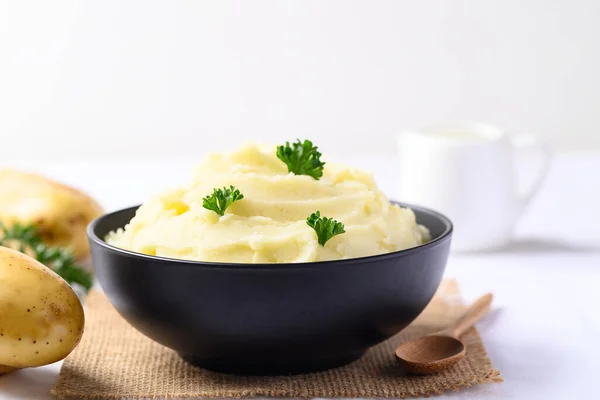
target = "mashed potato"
x: 269, y: 224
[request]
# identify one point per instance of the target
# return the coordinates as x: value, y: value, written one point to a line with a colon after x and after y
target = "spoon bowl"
x: 434, y: 353
x: 430, y: 354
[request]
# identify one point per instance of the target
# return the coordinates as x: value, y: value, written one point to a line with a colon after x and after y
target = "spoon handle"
x: 474, y: 313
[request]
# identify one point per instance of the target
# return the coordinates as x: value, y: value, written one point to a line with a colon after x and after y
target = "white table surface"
x: 544, y: 332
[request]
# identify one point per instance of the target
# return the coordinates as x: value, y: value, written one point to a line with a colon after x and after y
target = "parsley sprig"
x: 326, y: 228
x: 301, y: 158
x: 220, y: 199
x: 26, y: 239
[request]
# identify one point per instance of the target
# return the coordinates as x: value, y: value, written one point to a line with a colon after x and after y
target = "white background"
x: 179, y: 78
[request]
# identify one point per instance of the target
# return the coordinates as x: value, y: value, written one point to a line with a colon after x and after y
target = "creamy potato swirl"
x: 269, y: 224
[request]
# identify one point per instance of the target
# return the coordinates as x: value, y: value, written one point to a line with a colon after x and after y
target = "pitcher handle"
x: 525, y: 142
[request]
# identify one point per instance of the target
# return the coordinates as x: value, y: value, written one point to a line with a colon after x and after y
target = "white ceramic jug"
x: 467, y: 171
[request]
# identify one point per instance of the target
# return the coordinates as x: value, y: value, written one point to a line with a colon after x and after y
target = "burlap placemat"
x: 115, y: 361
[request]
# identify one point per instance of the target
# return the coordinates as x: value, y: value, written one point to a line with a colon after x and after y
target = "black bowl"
x: 270, y: 318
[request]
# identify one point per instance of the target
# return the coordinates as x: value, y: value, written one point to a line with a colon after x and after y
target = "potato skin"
x: 60, y: 213
x: 6, y: 370
x: 41, y: 317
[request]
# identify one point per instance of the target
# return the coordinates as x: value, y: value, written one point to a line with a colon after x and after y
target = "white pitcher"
x: 467, y: 171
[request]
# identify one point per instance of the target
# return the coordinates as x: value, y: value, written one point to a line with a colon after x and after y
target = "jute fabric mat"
x: 115, y: 361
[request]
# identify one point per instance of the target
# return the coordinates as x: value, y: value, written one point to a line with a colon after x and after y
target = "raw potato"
x: 60, y: 213
x: 5, y: 370
x: 41, y: 318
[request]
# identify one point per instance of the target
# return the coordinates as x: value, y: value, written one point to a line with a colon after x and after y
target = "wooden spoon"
x: 433, y: 353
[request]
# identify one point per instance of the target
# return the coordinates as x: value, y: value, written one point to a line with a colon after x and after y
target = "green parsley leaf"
x: 220, y: 199
x: 326, y: 228
x: 301, y: 158
x: 26, y: 239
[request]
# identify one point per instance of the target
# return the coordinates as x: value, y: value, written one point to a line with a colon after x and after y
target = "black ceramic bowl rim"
x: 246, y: 266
